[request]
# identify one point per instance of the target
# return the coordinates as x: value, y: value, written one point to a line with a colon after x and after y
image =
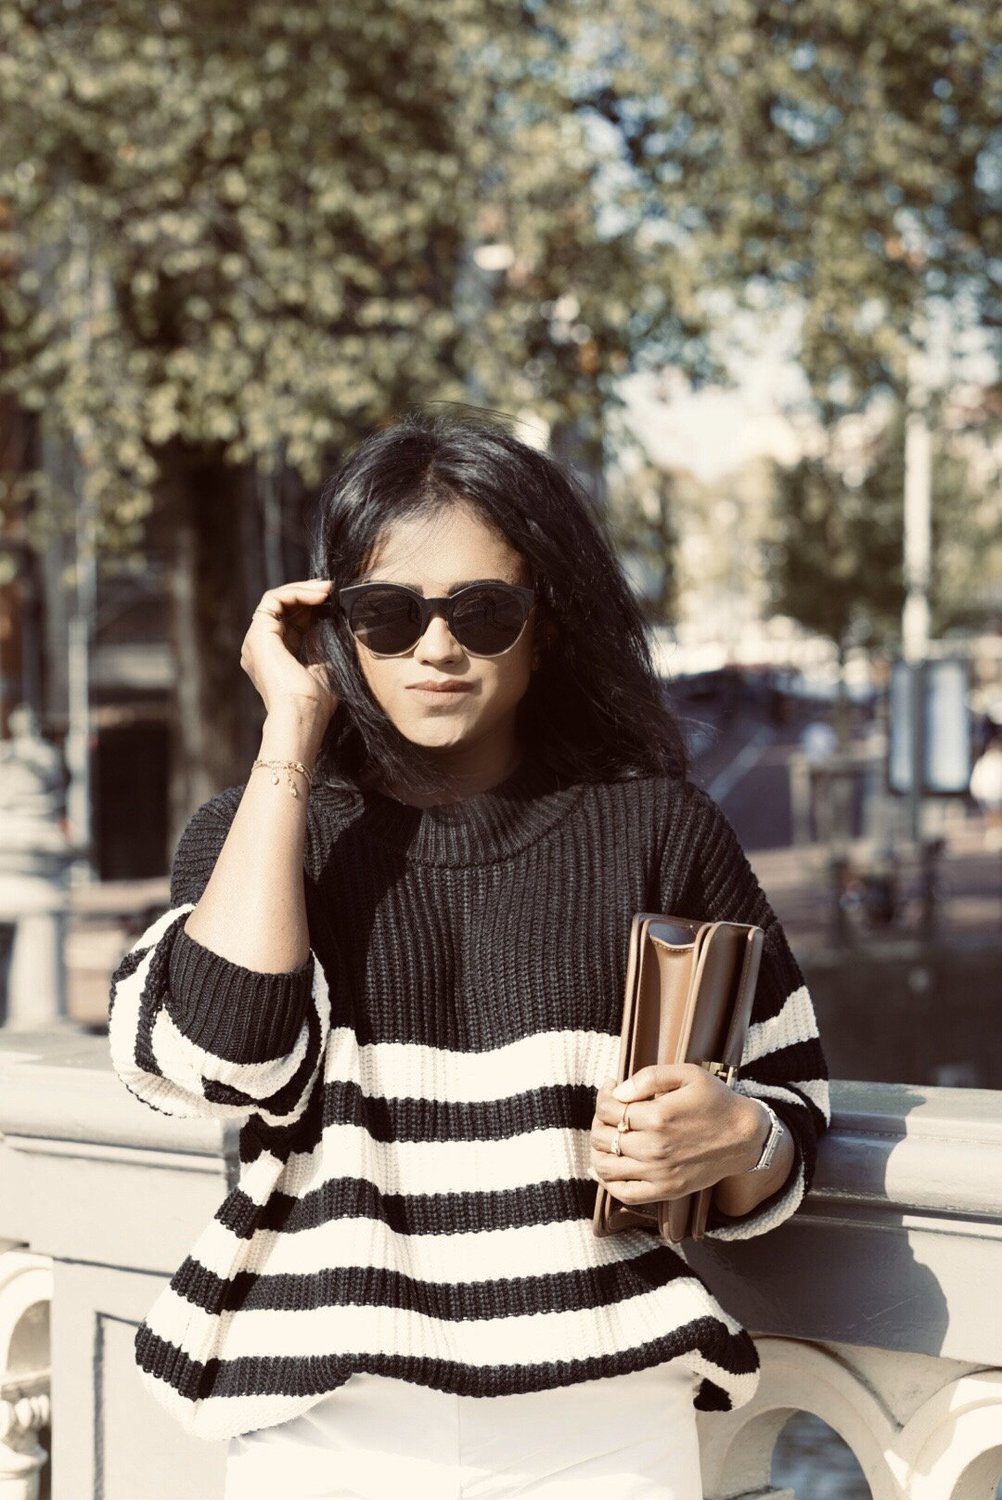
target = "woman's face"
x: 436, y: 553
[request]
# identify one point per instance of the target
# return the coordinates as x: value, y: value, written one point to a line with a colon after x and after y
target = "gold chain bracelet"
x: 288, y: 766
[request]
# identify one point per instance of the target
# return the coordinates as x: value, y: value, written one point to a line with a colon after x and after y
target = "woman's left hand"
x: 685, y: 1130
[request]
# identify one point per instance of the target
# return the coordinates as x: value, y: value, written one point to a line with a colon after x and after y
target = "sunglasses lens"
x: 488, y: 621
x: 387, y: 620
x: 485, y: 621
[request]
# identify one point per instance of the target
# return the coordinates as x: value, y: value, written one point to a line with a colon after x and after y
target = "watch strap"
x: 772, y: 1140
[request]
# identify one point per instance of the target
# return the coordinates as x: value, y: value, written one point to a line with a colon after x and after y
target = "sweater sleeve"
x: 782, y: 1061
x: 192, y: 1033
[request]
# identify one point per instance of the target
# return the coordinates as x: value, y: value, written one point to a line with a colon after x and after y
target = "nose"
x: 438, y: 643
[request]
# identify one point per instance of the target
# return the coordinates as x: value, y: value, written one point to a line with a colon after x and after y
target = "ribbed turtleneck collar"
x: 480, y: 829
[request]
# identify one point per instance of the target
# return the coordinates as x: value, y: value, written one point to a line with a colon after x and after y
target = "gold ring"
x: 615, y: 1146
x: 263, y: 609
x: 624, y: 1124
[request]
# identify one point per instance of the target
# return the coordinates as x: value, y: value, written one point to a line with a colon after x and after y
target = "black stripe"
x: 799, y: 1061
x: 287, y: 1097
x: 152, y: 1000
x: 129, y: 964
x: 412, y: 1213
x: 370, y: 1286
x: 261, y: 1375
x: 552, y: 1107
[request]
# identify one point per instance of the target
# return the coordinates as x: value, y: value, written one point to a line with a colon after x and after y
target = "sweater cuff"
x: 237, y: 1014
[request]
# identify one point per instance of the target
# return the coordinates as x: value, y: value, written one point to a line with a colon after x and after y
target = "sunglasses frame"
x: 443, y: 604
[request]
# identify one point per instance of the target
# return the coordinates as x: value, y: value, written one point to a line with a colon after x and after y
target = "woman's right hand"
x: 270, y: 650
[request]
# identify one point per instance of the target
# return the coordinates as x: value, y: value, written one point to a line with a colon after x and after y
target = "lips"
x: 440, y: 687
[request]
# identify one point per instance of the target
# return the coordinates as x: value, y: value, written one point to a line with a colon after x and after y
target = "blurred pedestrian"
x: 986, y: 788
x: 400, y: 949
x: 818, y: 744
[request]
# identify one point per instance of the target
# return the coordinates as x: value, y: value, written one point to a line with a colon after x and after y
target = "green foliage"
x: 247, y: 230
x: 251, y: 231
x: 232, y: 228
x: 836, y: 153
x: 641, y: 506
x: 836, y: 564
x: 834, y: 560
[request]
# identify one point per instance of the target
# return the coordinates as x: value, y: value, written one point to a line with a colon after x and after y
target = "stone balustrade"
x: 877, y: 1307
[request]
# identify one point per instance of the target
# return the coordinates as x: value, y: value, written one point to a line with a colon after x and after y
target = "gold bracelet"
x: 288, y: 766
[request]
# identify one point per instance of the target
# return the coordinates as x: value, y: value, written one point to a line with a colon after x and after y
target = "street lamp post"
x: 915, y: 617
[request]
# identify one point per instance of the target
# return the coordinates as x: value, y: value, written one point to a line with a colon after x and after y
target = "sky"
x: 714, y: 431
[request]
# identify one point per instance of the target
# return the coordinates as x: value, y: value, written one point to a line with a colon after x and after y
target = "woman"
x: 400, y: 946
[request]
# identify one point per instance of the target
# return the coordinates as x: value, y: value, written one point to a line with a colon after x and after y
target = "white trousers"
x: 622, y: 1437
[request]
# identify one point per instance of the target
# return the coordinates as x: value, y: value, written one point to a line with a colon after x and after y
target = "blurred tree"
x: 641, y: 509
x: 837, y: 153
x: 236, y: 233
x: 834, y: 562
x: 240, y: 235
x: 834, y: 559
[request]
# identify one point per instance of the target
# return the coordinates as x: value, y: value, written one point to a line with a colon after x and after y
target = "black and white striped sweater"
x: 414, y: 1197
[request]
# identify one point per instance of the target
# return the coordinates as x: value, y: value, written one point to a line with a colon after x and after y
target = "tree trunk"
x: 210, y: 576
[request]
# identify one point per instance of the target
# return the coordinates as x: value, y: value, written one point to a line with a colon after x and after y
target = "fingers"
x: 642, y: 1116
x: 638, y: 1191
x: 619, y: 1168
x: 659, y: 1078
x: 617, y: 1145
x: 286, y: 599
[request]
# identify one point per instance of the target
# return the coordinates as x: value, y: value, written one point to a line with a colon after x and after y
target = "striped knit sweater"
x: 414, y: 1196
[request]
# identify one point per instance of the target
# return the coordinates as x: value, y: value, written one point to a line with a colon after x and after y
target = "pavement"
x: 804, y: 886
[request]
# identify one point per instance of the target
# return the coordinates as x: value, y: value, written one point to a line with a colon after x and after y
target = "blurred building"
x: 90, y: 651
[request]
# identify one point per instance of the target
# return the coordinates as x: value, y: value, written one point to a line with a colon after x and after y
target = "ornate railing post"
x: 875, y: 1308
x: 25, y: 1295
x: 113, y: 1194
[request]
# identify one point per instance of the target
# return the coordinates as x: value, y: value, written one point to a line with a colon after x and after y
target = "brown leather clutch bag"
x: 689, y: 992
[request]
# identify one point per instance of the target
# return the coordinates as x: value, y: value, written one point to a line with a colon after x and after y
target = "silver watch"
x: 772, y: 1140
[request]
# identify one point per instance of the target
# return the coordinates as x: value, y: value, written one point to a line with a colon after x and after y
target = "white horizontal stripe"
x: 190, y: 1065
x: 490, y: 1255
x: 815, y: 1089
x: 527, y: 1339
x: 409, y: 1070
x: 794, y: 1023
x: 123, y: 1023
x: 438, y: 1166
x: 740, y: 1388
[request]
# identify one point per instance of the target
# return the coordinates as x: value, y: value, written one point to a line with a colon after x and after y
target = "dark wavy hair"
x: 595, y: 709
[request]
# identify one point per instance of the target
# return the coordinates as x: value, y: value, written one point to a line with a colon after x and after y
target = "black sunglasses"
x: 389, y: 619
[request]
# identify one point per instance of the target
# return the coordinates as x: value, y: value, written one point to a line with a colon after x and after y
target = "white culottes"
x: 622, y: 1437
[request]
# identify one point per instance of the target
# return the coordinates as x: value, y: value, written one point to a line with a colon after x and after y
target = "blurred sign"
x: 946, y: 728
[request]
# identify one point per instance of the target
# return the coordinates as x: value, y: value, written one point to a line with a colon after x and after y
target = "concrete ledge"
x: 900, y: 1238
x: 59, y: 1086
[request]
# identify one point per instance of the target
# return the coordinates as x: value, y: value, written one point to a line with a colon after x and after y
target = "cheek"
x: 514, y: 673
x: 378, y: 675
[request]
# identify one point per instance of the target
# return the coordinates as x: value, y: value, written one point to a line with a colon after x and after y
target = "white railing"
x: 877, y: 1308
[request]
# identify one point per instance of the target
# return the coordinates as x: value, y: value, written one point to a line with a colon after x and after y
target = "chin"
x: 435, y: 736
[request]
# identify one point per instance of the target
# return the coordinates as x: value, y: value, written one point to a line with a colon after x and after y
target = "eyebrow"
x: 454, y: 588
